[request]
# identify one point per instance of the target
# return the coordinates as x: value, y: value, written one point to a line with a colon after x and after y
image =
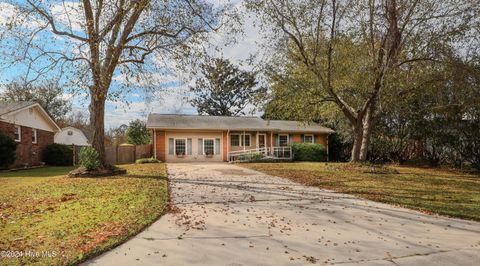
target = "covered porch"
x: 248, y: 145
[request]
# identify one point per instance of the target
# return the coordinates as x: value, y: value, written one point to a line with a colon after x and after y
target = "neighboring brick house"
x: 191, y: 138
x: 29, y: 125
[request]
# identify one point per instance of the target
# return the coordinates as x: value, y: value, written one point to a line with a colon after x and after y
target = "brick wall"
x: 160, y: 145
x: 225, y: 146
x: 28, y: 153
x: 321, y: 139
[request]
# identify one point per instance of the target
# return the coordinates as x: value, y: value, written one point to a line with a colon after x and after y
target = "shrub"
x: 58, y: 154
x: 89, y: 158
x: 147, y: 160
x: 8, y: 148
x: 309, y: 152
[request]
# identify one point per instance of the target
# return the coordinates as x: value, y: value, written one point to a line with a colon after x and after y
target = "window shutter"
x: 170, y: 146
x: 303, y: 138
x: 290, y: 139
x: 277, y: 141
x: 200, y: 146
x: 217, y: 146
x: 189, y: 146
x: 314, y: 139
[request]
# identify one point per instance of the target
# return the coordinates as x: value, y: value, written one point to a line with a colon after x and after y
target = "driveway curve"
x: 224, y: 214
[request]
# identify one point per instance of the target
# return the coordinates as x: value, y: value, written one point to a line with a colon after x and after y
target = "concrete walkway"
x: 228, y: 215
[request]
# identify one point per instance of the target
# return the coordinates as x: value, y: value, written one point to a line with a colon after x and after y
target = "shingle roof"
x: 8, y: 107
x: 173, y: 121
x: 296, y: 126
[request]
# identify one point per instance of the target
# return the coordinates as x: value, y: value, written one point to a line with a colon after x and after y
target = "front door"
x: 262, y: 141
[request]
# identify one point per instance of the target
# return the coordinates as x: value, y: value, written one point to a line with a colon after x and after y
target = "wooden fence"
x: 121, y: 154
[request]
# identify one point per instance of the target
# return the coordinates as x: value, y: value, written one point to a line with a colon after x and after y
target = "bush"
x: 8, y: 148
x: 58, y: 154
x: 89, y: 158
x: 309, y: 152
x: 147, y: 160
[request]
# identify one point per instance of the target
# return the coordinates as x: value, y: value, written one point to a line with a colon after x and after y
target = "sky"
x: 172, y: 95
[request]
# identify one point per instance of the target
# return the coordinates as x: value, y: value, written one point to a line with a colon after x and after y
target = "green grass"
x: 42, y: 210
x: 438, y: 191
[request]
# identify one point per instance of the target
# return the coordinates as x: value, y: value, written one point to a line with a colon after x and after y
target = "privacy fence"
x: 121, y: 154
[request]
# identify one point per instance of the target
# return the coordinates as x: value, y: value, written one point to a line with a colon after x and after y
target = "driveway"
x: 228, y: 215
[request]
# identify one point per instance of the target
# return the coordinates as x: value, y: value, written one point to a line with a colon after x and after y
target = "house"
x: 71, y: 136
x: 31, y: 127
x: 191, y: 138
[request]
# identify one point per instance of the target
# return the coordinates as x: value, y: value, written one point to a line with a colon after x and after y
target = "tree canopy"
x: 96, y: 41
x: 352, y: 51
x: 224, y: 89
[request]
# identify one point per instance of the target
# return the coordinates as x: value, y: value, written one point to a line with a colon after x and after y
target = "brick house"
x: 31, y: 127
x: 195, y: 138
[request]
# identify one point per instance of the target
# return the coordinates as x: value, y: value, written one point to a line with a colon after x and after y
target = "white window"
x: 235, y: 140
x: 308, y: 138
x: 34, y: 136
x: 18, y: 133
x: 240, y: 140
x: 283, y: 140
x: 180, y: 146
x: 208, y: 146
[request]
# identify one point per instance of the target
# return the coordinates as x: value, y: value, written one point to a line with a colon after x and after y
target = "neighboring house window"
x: 308, y: 138
x: 208, y: 146
x: 180, y: 146
x: 235, y: 140
x: 283, y: 140
x: 34, y: 136
x: 18, y: 133
x: 70, y: 133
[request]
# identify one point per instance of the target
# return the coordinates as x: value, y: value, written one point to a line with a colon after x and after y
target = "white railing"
x: 280, y: 152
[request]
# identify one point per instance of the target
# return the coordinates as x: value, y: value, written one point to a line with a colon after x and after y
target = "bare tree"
x: 388, y: 35
x: 91, y: 42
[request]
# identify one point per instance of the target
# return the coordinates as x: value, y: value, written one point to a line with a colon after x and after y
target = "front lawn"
x: 431, y: 190
x: 71, y: 219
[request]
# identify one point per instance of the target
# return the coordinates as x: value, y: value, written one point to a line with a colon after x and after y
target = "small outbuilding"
x: 71, y: 136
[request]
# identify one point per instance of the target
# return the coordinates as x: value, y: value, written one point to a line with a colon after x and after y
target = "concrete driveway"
x: 228, y: 215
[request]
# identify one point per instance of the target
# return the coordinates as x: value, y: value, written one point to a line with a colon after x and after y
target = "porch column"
x: 271, y: 142
x: 257, y: 144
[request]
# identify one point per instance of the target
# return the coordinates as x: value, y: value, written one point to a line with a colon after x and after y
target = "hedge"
x: 8, y: 148
x: 309, y: 152
x: 58, y: 154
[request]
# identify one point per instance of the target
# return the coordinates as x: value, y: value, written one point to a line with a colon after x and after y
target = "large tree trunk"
x: 367, y: 133
x: 97, y: 122
x: 357, y: 142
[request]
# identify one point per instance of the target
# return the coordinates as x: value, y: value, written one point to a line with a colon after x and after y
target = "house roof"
x: 174, y: 121
x: 8, y: 107
x: 296, y: 126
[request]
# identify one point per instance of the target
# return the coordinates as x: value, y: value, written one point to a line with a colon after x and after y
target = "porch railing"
x: 279, y: 152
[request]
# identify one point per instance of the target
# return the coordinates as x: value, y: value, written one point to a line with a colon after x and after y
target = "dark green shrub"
x: 309, y: 152
x: 8, y: 148
x: 58, y: 154
x: 147, y: 160
x: 89, y: 158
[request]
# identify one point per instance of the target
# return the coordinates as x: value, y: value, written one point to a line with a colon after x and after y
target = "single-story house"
x: 71, y: 136
x: 29, y: 125
x: 191, y: 138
